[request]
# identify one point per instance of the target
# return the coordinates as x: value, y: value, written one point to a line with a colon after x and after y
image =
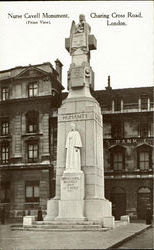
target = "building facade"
x: 128, y: 149
x: 30, y: 97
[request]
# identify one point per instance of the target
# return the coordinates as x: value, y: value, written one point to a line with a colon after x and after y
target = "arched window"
x: 144, y: 157
x: 32, y: 122
x: 144, y: 190
x: 117, y: 157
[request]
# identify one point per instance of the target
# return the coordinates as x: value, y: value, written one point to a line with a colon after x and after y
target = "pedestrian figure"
x: 3, y: 215
x: 39, y: 214
x: 148, y: 214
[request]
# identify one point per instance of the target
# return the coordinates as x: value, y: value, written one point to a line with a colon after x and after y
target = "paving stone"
x: 21, y: 240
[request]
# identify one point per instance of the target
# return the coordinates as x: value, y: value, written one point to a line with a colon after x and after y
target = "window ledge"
x: 146, y: 170
x: 4, y: 164
x: 5, y: 136
x: 33, y: 162
x: 119, y: 171
x: 32, y: 134
x: 143, y: 170
x: 32, y: 202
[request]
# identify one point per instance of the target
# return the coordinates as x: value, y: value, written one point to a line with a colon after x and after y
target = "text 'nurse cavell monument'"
x: 80, y: 166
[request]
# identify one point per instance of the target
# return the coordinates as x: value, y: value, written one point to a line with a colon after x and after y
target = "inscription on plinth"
x: 72, y: 187
x: 71, y: 183
x: 80, y: 117
x: 73, y: 117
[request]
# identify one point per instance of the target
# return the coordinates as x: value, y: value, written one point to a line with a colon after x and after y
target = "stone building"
x: 30, y: 97
x: 128, y: 148
x: 29, y: 100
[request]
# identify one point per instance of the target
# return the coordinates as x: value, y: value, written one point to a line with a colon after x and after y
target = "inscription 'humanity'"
x: 80, y: 116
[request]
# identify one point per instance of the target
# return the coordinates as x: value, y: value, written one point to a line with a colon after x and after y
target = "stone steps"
x: 66, y: 222
x: 57, y: 229
x: 61, y: 226
x: 65, y: 226
x: 68, y: 226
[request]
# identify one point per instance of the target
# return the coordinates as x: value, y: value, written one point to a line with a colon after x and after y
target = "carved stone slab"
x: 79, y: 40
x: 92, y: 43
x: 72, y: 186
x: 77, y: 77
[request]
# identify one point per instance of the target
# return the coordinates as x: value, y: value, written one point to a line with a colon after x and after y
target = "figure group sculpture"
x: 80, y: 33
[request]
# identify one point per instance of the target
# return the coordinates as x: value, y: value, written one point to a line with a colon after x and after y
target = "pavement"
x: 144, y: 240
x: 30, y: 240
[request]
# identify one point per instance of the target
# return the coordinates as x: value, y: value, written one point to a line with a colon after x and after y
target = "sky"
x: 125, y: 52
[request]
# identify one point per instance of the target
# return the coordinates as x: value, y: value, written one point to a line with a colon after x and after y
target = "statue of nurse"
x: 73, y: 145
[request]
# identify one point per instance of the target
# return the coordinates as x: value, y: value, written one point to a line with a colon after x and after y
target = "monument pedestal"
x: 71, y: 204
x: 80, y: 196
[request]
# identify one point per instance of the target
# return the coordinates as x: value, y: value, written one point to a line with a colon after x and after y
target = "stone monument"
x: 80, y: 166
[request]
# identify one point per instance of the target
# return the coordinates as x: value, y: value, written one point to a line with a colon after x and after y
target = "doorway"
x: 144, y: 197
x: 118, y: 199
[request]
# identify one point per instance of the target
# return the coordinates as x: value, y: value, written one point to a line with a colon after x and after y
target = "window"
x: 144, y: 129
x: 32, y: 118
x: 144, y: 102
x: 144, y: 160
x: 4, y: 153
x: 32, y: 191
x: 4, y: 128
x: 144, y: 157
x: 117, y: 161
x: 117, y: 104
x: 117, y: 130
x: 131, y: 128
x: 107, y: 129
x: 33, y: 149
x: 5, y: 93
x: 117, y: 156
x: 5, y: 192
x: 33, y: 89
